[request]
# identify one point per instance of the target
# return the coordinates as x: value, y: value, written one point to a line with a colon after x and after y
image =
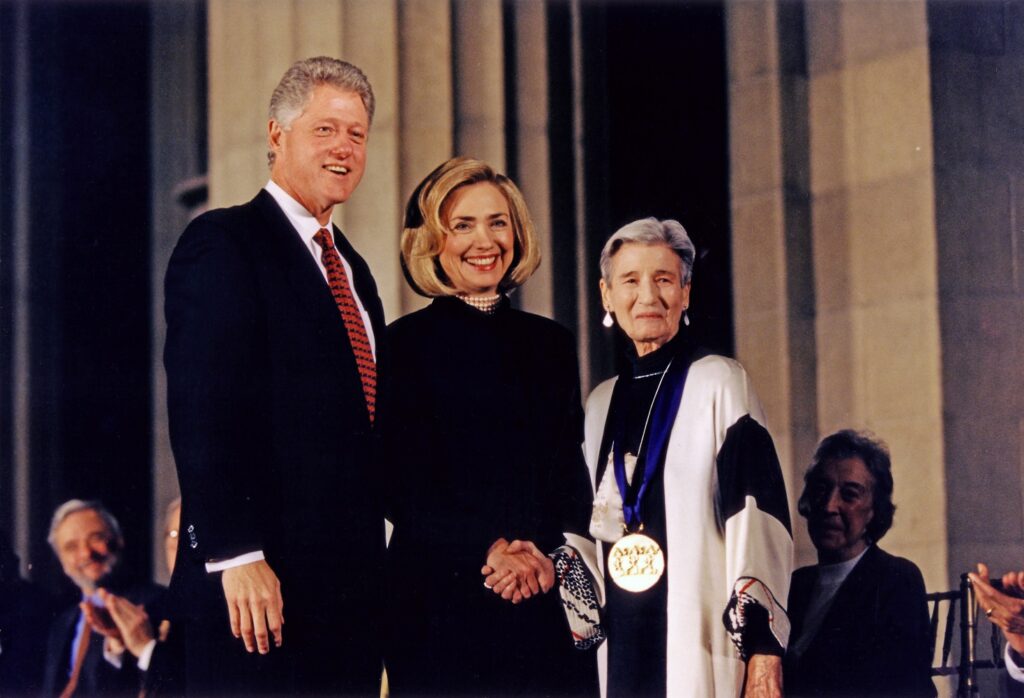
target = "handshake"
x: 517, y: 570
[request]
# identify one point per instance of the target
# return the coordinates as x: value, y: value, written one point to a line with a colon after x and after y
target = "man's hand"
x: 764, y: 677
x: 517, y: 570
x: 133, y: 626
x: 1002, y: 609
x: 253, y: 595
x: 100, y: 620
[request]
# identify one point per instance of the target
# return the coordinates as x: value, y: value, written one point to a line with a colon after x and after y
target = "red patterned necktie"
x: 350, y: 315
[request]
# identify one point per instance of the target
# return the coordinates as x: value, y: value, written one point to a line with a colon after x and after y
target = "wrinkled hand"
x: 764, y: 677
x: 255, y: 606
x: 131, y: 621
x: 517, y: 570
x: 1007, y: 611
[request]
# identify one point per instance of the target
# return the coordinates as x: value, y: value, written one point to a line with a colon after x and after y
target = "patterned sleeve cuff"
x: 755, y: 621
x: 579, y: 600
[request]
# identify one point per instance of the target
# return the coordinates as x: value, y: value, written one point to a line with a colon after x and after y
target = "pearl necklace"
x: 486, y: 304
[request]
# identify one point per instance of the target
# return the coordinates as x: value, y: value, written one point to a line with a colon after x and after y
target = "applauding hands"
x: 517, y: 570
x: 1003, y: 608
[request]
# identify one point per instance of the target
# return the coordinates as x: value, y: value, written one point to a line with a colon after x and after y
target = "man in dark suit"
x: 273, y: 337
x: 87, y: 540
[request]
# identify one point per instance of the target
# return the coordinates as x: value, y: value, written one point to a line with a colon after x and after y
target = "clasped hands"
x: 517, y: 570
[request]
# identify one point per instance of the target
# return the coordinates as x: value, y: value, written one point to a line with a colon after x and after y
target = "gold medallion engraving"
x: 636, y: 562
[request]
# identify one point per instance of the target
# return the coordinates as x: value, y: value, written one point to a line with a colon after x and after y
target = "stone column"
x: 773, y: 295
x: 426, y: 101
x: 372, y: 218
x: 479, y: 81
x: 251, y: 44
x: 834, y: 249
x: 977, y: 62
x: 873, y: 234
x: 532, y: 165
x: 177, y: 162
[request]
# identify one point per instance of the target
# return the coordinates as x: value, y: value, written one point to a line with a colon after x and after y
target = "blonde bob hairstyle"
x: 425, y: 227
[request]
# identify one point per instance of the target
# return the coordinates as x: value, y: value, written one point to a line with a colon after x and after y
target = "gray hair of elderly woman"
x: 651, y: 231
x: 293, y: 92
x: 73, y: 506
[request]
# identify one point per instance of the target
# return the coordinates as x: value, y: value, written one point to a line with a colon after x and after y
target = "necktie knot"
x: 324, y: 239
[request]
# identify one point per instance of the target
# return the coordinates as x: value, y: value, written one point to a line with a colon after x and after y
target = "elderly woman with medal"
x: 690, y: 511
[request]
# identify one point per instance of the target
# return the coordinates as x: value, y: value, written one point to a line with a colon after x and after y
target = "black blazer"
x: 270, y: 431
x: 97, y: 677
x: 874, y: 638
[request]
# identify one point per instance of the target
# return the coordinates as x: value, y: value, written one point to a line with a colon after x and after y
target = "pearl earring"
x: 608, y: 322
x: 686, y: 318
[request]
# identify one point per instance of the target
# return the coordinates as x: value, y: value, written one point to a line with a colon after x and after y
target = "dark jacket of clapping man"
x: 88, y: 541
x: 274, y: 332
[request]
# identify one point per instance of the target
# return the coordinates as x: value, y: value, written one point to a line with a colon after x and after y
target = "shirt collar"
x: 301, y: 219
x: 837, y: 572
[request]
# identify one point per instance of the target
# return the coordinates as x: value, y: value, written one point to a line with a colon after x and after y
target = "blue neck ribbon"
x: 652, y: 451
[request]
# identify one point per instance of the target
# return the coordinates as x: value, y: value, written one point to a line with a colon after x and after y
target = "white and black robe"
x: 717, y: 504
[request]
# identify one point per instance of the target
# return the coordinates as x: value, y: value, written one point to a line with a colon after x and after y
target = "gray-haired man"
x: 87, y: 540
x: 273, y: 330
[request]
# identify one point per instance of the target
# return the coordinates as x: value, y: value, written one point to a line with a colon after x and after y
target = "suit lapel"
x: 803, y: 582
x: 284, y: 248
x: 853, y: 599
x: 59, y: 658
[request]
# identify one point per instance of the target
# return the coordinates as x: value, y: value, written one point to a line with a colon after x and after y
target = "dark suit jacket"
x: 272, y: 442
x: 874, y: 638
x: 98, y: 677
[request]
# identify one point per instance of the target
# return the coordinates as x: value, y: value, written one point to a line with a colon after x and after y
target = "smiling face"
x: 840, y: 495
x: 645, y: 294
x: 86, y: 548
x: 320, y: 158
x: 479, y: 241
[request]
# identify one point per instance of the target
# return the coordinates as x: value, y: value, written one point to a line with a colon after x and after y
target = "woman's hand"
x: 764, y: 677
x: 517, y: 570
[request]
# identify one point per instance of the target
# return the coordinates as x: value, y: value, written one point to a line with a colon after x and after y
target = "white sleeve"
x: 237, y: 561
x: 115, y: 659
x: 1015, y: 671
x: 146, y: 656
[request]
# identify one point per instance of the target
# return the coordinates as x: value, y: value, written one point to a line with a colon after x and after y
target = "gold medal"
x: 636, y: 562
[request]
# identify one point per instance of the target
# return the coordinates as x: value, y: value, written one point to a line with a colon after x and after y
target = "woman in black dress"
x: 482, y: 430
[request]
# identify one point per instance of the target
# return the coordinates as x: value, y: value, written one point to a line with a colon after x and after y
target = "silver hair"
x: 651, y: 231
x: 293, y: 92
x: 73, y: 506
